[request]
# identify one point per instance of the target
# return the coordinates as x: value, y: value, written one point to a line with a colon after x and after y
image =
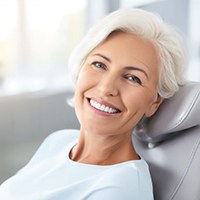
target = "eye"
x: 134, y: 79
x: 99, y: 65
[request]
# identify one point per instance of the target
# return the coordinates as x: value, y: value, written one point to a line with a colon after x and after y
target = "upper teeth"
x: 102, y: 107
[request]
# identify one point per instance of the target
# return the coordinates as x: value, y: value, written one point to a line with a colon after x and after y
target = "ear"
x: 154, y: 106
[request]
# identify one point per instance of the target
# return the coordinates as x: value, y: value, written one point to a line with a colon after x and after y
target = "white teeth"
x: 102, y: 107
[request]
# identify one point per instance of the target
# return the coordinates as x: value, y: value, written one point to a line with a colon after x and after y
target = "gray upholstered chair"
x: 170, y: 143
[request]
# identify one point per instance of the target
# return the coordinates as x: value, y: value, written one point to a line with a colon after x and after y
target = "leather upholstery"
x: 170, y: 143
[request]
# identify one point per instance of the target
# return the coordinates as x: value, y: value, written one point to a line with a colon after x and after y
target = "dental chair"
x: 170, y: 143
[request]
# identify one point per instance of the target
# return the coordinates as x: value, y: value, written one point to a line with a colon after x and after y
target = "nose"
x: 108, y: 86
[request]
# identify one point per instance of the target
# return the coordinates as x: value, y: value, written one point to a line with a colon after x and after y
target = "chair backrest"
x: 170, y: 143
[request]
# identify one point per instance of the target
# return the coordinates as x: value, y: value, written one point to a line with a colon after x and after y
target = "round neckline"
x: 72, y: 144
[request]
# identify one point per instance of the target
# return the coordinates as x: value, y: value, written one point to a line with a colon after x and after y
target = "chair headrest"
x: 180, y: 112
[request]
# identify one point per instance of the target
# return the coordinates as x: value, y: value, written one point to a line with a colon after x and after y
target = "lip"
x: 103, y: 103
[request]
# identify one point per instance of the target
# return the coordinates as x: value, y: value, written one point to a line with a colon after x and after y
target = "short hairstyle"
x: 169, y: 43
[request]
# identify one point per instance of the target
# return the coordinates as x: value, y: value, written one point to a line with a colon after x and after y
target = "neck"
x: 103, y: 150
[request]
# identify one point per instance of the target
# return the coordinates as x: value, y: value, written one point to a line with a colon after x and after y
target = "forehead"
x: 127, y: 48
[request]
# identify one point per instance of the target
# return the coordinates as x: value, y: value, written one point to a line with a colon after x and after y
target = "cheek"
x: 86, y: 85
x: 79, y: 93
x: 138, y: 100
x: 81, y: 84
x: 85, y: 79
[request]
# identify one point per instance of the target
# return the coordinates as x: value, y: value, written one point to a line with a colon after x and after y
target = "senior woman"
x: 123, y: 69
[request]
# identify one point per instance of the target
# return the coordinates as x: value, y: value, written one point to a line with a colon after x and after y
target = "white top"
x: 51, y: 175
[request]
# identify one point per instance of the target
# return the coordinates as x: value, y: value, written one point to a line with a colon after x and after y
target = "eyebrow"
x: 105, y: 57
x: 127, y: 67
x: 138, y: 69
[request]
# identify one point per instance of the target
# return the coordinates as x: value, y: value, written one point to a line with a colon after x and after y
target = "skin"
x: 122, y: 73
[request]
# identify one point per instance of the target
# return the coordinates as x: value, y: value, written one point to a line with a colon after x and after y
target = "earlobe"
x: 154, y: 106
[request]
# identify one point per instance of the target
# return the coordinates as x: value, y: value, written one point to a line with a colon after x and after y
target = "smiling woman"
x: 123, y: 69
x: 127, y: 80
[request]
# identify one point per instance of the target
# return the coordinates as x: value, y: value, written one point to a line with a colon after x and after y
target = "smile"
x: 102, y: 107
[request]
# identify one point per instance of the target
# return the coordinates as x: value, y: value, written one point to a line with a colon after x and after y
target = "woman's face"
x: 117, y: 85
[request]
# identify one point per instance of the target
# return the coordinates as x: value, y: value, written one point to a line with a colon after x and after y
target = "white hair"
x: 171, y: 49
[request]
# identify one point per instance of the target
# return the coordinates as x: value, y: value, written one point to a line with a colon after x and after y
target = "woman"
x: 123, y: 70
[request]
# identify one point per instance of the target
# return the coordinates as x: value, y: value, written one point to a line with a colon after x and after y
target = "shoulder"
x: 127, y: 181
x: 53, y: 144
x: 61, y: 137
x: 131, y: 174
